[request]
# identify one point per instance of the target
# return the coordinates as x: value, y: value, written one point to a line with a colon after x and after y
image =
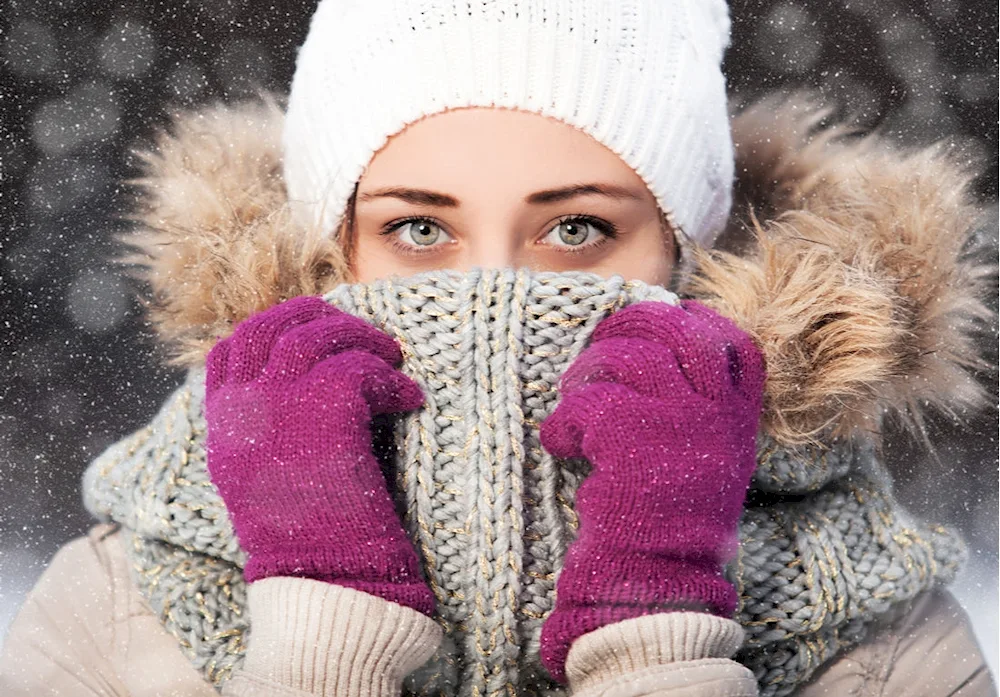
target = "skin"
x: 478, y: 169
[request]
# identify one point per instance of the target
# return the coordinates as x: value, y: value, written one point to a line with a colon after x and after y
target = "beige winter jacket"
x: 854, y: 284
x: 85, y: 630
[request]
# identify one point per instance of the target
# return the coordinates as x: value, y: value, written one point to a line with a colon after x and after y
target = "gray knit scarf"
x: 825, y: 551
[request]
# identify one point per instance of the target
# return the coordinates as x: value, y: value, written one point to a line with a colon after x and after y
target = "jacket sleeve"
x: 311, y: 638
x: 84, y: 632
x: 677, y: 654
x: 929, y: 651
x: 61, y: 639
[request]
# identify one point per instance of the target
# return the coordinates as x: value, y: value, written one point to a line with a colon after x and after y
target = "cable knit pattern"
x: 492, y: 514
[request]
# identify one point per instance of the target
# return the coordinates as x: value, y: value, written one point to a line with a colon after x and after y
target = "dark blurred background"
x: 81, y: 82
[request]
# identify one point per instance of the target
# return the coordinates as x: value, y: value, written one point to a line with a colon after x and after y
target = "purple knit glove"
x: 289, y: 399
x: 664, y: 404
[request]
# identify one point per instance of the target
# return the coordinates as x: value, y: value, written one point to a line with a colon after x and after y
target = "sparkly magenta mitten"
x: 289, y: 400
x: 664, y: 404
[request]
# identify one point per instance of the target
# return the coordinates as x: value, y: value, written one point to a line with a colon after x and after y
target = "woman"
x: 552, y: 137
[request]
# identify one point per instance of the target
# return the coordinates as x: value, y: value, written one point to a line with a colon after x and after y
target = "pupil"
x: 425, y: 234
x: 572, y: 233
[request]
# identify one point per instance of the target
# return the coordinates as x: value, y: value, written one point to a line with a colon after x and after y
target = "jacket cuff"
x: 315, y: 638
x: 661, y: 654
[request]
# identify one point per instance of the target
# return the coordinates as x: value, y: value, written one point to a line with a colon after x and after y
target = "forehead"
x: 479, y: 147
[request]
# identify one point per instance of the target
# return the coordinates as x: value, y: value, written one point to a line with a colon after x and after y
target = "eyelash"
x: 608, y: 230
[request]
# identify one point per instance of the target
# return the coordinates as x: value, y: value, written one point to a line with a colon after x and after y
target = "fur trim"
x: 860, y: 287
x: 852, y: 272
x: 216, y: 242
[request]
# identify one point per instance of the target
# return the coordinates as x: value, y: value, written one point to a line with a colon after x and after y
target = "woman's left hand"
x: 665, y: 404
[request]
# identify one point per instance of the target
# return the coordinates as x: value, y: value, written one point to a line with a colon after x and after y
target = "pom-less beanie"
x: 642, y: 77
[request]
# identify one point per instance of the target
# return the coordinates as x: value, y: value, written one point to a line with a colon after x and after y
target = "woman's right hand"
x: 289, y: 400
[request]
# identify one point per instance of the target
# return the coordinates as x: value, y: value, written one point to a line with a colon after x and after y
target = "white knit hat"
x: 642, y: 77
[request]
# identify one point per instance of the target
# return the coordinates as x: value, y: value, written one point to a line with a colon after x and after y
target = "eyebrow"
x: 422, y: 197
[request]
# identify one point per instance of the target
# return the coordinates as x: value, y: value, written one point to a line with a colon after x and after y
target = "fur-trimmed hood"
x: 849, y: 262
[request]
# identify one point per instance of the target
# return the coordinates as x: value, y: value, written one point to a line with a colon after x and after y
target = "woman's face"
x: 503, y: 188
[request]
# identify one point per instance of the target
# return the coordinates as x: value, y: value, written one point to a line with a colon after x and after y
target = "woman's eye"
x: 578, y: 232
x: 418, y: 233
